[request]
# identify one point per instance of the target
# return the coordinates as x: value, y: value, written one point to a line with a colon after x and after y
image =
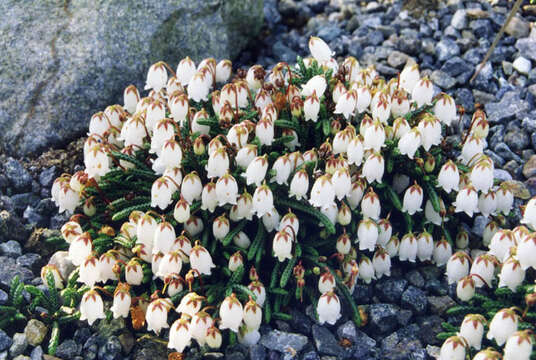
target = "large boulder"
x: 64, y: 60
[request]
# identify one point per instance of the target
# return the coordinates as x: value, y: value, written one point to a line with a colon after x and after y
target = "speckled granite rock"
x: 63, y: 60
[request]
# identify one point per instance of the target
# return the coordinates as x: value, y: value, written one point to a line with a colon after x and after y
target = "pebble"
x: 19, y: 178
x: 459, y: 19
x: 414, y: 299
x: 35, y: 332
x: 37, y: 353
x: 447, y: 48
x: 5, y: 341
x: 326, y: 343
x: 10, y: 248
x: 9, y: 269
x: 527, y: 47
x: 19, y: 344
x: 439, y: 304
x: 111, y: 350
x: 390, y: 289
x: 507, y: 108
x: 522, y: 65
x: 383, y: 318
x: 68, y: 349
x: 517, y: 28
x: 283, y: 341
x: 62, y: 262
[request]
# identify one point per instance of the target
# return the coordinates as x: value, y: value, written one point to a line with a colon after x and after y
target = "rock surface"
x: 64, y: 60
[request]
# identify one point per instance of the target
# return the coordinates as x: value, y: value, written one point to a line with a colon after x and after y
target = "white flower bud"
x: 319, y: 49
x: 131, y: 96
x: 282, y: 245
x: 425, y: 246
x: 453, y: 349
x: 392, y: 246
x: 252, y: 315
x: 231, y: 313
x: 366, y: 270
x: 457, y: 267
x: 465, y: 289
x: 370, y: 205
x: 226, y: 190
x: 133, y: 272
x: 356, y: 193
x: 344, y: 244
x: 271, y: 220
x: 156, y: 77
x: 185, y: 71
x: 442, y: 252
x: 311, y: 107
x: 413, y: 198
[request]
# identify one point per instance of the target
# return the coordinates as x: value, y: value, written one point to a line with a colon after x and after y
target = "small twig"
x: 497, y: 38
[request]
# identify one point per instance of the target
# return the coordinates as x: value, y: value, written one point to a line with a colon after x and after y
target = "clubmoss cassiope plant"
x: 230, y: 201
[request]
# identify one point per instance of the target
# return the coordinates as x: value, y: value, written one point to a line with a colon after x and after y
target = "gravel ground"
x: 405, y: 311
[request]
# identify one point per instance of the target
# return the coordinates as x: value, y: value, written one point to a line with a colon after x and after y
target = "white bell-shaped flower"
x: 238, y: 135
x: 342, y: 183
x: 400, y: 128
x: 311, y: 107
x: 156, y: 77
x: 501, y: 243
x: 190, y: 304
x: 385, y: 230
x: 487, y: 203
x: 482, y: 174
x: 367, y: 234
x: 133, y: 272
x: 282, y: 167
x: 346, y: 104
x: 423, y: 92
x: 199, y: 325
x: 529, y: 214
x: 181, y: 211
x: 512, y: 274
x: 425, y: 246
x: 374, y: 137
x: 366, y: 270
x: 70, y: 231
x: 410, y: 142
x: 505, y: 199
x: 185, y: 71
x: 198, y: 89
x: 319, y: 49
x: 180, y: 335
x: 131, y: 96
x: 299, y: 185
x: 271, y: 219
x: 457, y: 267
x: 191, y: 187
x: 263, y: 200
x: 409, y: 77
x: 91, y: 307
x: 264, y: 131
x: 484, y: 267
x: 381, y: 263
x: 430, y: 129
x: 164, y: 237
x: 80, y: 249
x: 356, y: 193
x: 465, y: 289
x: 322, y: 193
x: 218, y: 163
x: 374, y: 168
x: 442, y: 252
x: 200, y: 260
x: 231, y: 313
x: 246, y: 155
x: 467, y: 201
x: 449, y: 177
x: 209, y: 198
x: 89, y: 271
x: 156, y: 315
x: 472, y: 330
x: 526, y: 251
x: 223, y: 70
x: 445, y: 109
x: 178, y: 108
x: 161, y: 192
x: 408, y: 248
x: 399, y: 103
x: 122, y: 301
x: 370, y: 205
x: 328, y: 308
x: 519, y: 346
x: 252, y: 315
x: 453, y: 349
x: 145, y: 229
x: 316, y: 85
x: 502, y: 326
x: 282, y: 245
x: 226, y: 190
x: 256, y: 170
x: 472, y: 148
x: 413, y: 198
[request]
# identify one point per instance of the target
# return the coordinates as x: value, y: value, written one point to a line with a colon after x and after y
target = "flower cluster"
x: 301, y: 175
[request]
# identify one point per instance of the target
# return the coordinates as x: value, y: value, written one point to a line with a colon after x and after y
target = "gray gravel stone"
x: 9, y: 268
x: 446, y: 48
x: 68, y: 349
x: 3, y: 297
x: 439, y: 304
x: 10, y: 248
x: 19, y: 345
x: 37, y: 353
x: 5, y: 341
x: 390, y: 289
x: 62, y: 62
x: 35, y: 332
x: 18, y: 176
x: 327, y: 344
x: 414, y: 299
x: 283, y: 341
x: 507, y: 108
x: 443, y: 80
x: 383, y: 318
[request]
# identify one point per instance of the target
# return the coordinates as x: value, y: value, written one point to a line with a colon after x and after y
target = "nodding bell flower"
x: 344, y: 215
x: 231, y: 313
x: 410, y: 142
x: 218, y: 163
x: 342, y: 183
x: 408, y: 248
x: 263, y: 99
x: 315, y: 86
x: 322, y: 193
x: 467, y: 201
x: 156, y: 315
x: 180, y: 335
x: 264, y: 130
x: 99, y: 124
x: 131, y: 96
x: 366, y: 270
x: 381, y: 108
x: 328, y: 308
x: 80, y: 249
x: 290, y: 223
x: 70, y: 231
x: 178, y: 108
x: 503, y: 325
x: 518, y: 346
x: 413, y: 198
x: 91, y: 307
x: 346, y: 104
x: 356, y: 193
x: 201, y: 260
x: 67, y: 199
x: 190, y: 304
x: 238, y: 135
x: 299, y: 185
x: 133, y: 272
x: 223, y: 70
x: 161, y: 192
x: 409, y: 77
x: 226, y: 190
x: 254, y: 77
x: 453, y: 349
x: 252, y: 315
x: 256, y: 170
x: 430, y: 129
x: 282, y: 167
x: 209, y: 198
x: 367, y: 234
x: 442, y: 252
x: 525, y: 252
x: 342, y: 139
x: 198, y: 89
x: 271, y: 219
x: 164, y: 237
x: 472, y: 148
x: 392, y: 246
x: 243, y: 208
x: 145, y: 229
x: 319, y: 49
x: 263, y: 200
x: 338, y: 91
x: 156, y: 77
x: 484, y: 267
x: 235, y: 261
x: 505, y: 199
x: 487, y: 203
x: 155, y: 112
x: 199, y: 325
x: 370, y: 205
x: 501, y: 243
x: 482, y: 174
x: 400, y: 127
x: 326, y: 282
x: 213, y: 338
x: 385, y: 230
x: 171, y: 264
x: 311, y: 107
x: 282, y: 245
x: 192, y: 187
x: 246, y: 155
x: 445, y: 109
x: 51, y: 268
x: 122, y: 301
x: 472, y: 330
x: 423, y: 92
x: 449, y: 177
x: 512, y: 274
x: 133, y: 131
x: 181, y: 211
x: 488, y: 354
x: 529, y: 215
x: 185, y: 71
x: 457, y: 267
x: 196, y: 126
x: 425, y: 246
x: 344, y: 244
x: 89, y: 271
x: 258, y: 289
x: 374, y: 137
x: 374, y: 168
x: 399, y: 103
x: 381, y: 263
x: 433, y: 216
x: 363, y: 99
x: 220, y: 227
x: 465, y: 289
